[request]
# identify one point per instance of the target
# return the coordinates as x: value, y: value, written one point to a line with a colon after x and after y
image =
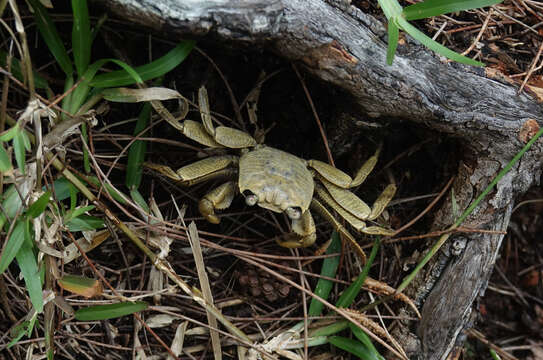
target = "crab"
x: 278, y: 181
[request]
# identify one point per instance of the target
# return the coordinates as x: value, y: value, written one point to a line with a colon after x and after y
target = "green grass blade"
x: 431, y: 8
x: 72, y: 214
x: 393, y: 36
x: 50, y: 34
x: 365, y: 339
x: 136, y: 153
x: 330, y: 329
x: 118, y: 196
x: 354, y: 347
x: 85, y: 223
x: 61, y: 188
x: 494, y: 355
x: 81, y: 285
x: 111, y: 311
x: 433, y: 45
x: 80, y: 94
x: 9, y: 134
x: 149, y: 71
x: 329, y: 269
x: 11, y: 203
x: 5, y: 160
x: 26, y: 258
x: 20, y: 152
x: 13, y: 245
x: 391, y: 8
x: 138, y: 199
x: 39, y: 205
x: 18, y: 332
x: 85, y: 136
x: 81, y: 36
x: 348, y: 296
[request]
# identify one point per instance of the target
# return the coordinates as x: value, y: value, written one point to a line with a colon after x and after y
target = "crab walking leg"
x: 382, y: 201
x: 345, y: 234
x: 217, y: 199
x: 347, y: 200
x: 192, y: 173
x: 341, y: 179
x: 355, y: 222
x: 304, y: 233
x: 222, y: 135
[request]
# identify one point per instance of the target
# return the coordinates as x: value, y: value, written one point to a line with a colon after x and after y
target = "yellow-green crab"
x: 278, y: 181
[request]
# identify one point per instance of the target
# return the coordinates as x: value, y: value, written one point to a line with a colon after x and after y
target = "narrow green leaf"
x: 494, y: 355
x: 39, y: 205
x: 18, y: 332
x: 81, y: 285
x: 85, y: 136
x: 112, y: 311
x: 393, y: 36
x: 67, y: 101
x: 149, y: 71
x: 61, y: 188
x: 431, y: 8
x: 329, y: 269
x: 391, y: 8
x: 80, y: 94
x: 73, y: 196
x: 26, y: 141
x: 128, y: 95
x: 138, y: 199
x: 85, y: 223
x: 454, y: 205
x: 348, y: 296
x: 136, y: 153
x: 13, y: 245
x: 9, y: 134
x: 5, y: 160
x: 11, y: 203
x: 110, y: 190
x: 364, y: 339
x: 26, y: 259
x: 81, y: 36
x: 331, y: 329
x: 433, y: 45
x: 72, y: 214
x: 49, y: 33
x: 19, y: 149
x: 354, y: 347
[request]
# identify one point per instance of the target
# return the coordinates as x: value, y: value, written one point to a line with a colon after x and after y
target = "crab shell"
x: 279, y: 179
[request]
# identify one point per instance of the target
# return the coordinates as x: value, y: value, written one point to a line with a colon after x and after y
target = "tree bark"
x: 341, y: 45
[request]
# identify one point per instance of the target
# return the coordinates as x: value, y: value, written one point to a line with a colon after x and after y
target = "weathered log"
x: 341, y: 45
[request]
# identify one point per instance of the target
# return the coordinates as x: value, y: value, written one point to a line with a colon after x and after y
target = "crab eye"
x: 294, y: 213
x: 250, y: 198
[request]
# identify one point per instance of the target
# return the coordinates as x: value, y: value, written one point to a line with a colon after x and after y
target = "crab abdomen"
x: 279, y: 179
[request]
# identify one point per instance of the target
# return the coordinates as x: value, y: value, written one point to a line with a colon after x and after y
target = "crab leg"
x: 201, y: 170
x: 304, y: 232
x: 355, y: 222
x: 219, y: 198
x: 382, y: 201
x: 222, y: 135
x: 345, y: 234
x: 341, y: 179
